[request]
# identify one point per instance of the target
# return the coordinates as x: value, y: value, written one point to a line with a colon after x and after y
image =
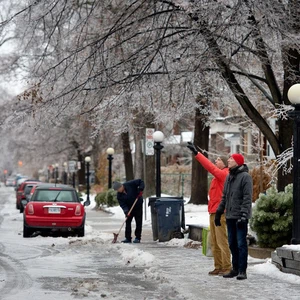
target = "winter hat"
x: 224, y: 159
x: 116, y: 185
x: 239, y: 158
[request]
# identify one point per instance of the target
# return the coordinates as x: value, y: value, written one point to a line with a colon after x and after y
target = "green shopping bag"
x: 206, y: 248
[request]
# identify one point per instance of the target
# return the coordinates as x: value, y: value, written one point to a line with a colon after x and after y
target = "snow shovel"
x: 117, y: 234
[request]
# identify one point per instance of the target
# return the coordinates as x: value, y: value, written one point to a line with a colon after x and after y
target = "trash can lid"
x: 170, y: 199
x: 162, y: 201
x: 152, y: 200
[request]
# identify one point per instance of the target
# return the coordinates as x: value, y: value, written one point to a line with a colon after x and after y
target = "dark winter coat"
x: 237, y: 194
x: 132, y: 189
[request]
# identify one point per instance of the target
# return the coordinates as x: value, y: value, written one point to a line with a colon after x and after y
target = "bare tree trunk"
x: 138, y: 155
x: 95, y: 153
x: 81, y: 172
x: 199, y: 183
x: 144, y: 166
x: 127, y: 156
x: 149, y: 172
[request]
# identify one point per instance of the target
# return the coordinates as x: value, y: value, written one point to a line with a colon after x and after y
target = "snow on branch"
x: 284, y: 161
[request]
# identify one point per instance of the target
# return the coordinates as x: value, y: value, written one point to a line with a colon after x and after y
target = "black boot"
x: 231, y: 274
x: 241, y: 276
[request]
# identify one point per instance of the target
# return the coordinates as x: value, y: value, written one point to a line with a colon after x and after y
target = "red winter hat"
x: 239, y: 158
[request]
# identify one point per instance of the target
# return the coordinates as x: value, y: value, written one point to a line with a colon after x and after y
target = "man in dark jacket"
x: 128, y: 192
x: 237, y: 203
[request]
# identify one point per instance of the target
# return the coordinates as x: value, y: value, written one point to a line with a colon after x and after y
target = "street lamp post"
x: 53, y: 172
x: 56, y: 172
x: 110, y: 152
x: 87, y: 160
x: 158, y: 137
x: 49, y: 173
x: 294, y: 97
x: 65, y: 172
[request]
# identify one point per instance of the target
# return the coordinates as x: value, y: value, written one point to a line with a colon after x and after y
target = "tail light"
x: 30, y: 209
x: 77, y: 210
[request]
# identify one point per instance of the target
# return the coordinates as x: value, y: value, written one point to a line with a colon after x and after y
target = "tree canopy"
x: 115, y: 66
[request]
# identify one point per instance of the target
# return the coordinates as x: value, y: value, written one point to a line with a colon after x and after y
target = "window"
x: 55, y: 195
x: 27, y: 190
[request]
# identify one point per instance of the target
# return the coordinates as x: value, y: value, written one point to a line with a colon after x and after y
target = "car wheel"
x: 21, y: 208
x: 26, y: 231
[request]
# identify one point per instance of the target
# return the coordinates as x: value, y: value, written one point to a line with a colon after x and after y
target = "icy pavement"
x: 44, y: 268
x: 178, y: 270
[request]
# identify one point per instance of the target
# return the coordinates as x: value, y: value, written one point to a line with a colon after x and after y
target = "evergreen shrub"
x: 100, y: 199
x: 108, y: 198
x: 272, y: 217
x: 111, y: 198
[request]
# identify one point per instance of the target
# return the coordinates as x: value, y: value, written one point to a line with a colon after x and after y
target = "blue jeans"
x: 237, y: 240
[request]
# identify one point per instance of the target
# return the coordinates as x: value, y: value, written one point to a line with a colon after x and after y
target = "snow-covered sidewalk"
x: 181, y: 264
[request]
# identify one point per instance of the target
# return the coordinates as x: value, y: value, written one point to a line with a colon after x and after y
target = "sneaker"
x: 126, y: 241
x: 241, y: 276
x: 231, y: 274
x: 136, y: 241
x: 214, y: 272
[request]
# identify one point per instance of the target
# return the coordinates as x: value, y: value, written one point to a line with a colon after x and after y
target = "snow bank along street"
x: 92, y: 267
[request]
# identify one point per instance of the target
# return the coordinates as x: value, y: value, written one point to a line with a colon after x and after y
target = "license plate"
x: 54, y: 210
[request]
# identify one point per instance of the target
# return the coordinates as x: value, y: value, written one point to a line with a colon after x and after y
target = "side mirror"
x: 24, y: 202
x: 81, y: 199
x: 87, y: 203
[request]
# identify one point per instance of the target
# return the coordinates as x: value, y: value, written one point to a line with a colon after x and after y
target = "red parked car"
x: 54, y: 208
x: 20, y: 195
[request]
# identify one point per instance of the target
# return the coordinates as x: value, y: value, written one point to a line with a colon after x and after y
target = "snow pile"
x: 272, y: 271
x: 89, y: 241
x: 292, y: 247
x: 90, y: 287
x: 187, y: 243
x: 176, y: 242
x: 135, y: 257
x: 154, y: 274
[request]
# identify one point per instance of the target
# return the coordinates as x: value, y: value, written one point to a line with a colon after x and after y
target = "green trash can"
x: 170, y: 218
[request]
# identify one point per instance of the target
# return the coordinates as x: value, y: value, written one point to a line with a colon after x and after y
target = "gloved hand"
x: 242, y: 222
x: 192, y: 148
x: 218, y: 218
x: 126, y: 214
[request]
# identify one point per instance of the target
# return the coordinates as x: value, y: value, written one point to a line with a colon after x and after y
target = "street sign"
x: 149, y: 141
x: 72, y: 166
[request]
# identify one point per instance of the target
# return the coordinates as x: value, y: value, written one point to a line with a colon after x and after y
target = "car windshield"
x: 54, y: 195
x: 28, y: 188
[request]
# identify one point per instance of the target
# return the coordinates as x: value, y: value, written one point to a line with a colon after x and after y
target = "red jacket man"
x: 220, y: 171
x: 218, y: 234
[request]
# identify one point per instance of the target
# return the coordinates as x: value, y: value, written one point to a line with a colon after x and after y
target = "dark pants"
x: 137, y: 214
x: 237, y: 240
